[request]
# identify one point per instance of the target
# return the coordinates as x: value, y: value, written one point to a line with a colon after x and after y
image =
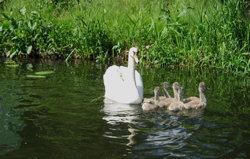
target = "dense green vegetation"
x: 194, y: 33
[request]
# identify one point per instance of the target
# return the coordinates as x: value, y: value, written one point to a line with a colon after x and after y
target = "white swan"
x: 124, y: 84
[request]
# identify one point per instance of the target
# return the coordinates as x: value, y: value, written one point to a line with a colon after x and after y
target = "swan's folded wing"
x: 192, y: 104
x: 112, y: 80
x: 189, y: 99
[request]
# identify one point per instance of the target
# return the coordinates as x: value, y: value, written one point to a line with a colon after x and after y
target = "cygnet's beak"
x: 136, y: 58
x: 178, y: 87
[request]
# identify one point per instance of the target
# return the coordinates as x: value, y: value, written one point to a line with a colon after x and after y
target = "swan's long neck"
x: 202, y: 96
x: 175, y: 93
x: 131, y: 68
x: 156, y: 96
x: 180, y: 97
x: 166, y: 94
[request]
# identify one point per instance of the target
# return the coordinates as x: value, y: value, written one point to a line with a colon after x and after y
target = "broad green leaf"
x: 13, y: 54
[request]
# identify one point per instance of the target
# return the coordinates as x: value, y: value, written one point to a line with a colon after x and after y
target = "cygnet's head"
x: 148, y: 106
x: 181, y: 91
x: 133, y: 52
x: 176, y: 85
x: 202, y: 86
x: 166, y: 85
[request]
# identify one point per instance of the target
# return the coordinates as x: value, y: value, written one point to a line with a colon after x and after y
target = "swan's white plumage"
x: 120, y: 87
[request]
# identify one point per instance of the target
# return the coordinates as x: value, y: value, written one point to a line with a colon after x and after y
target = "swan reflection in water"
x: 117, y: 114
x: 150, y: 131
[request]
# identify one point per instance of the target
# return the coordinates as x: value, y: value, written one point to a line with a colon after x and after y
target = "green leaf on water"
x: 44, y: 72
x: 10, y: 62
x: 14, y: 65
x: 35, y: 76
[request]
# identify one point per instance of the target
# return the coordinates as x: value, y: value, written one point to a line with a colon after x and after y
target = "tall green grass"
x: 194, y: 33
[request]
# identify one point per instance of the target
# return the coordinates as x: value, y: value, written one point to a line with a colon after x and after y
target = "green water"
x: 63, y: 116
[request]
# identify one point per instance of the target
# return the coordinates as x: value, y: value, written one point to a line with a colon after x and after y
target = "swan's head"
x: 176, y: 85
x: 133, y: 52
x: 202, y: 86
x: 166, y: 85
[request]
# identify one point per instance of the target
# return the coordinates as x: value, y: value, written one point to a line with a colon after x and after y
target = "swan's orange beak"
x: 136, y: 58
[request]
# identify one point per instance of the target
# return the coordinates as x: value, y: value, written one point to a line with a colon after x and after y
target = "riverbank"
x: 169, y: 33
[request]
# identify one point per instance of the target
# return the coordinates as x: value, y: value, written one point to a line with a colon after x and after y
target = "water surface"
x: 63, y: 115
